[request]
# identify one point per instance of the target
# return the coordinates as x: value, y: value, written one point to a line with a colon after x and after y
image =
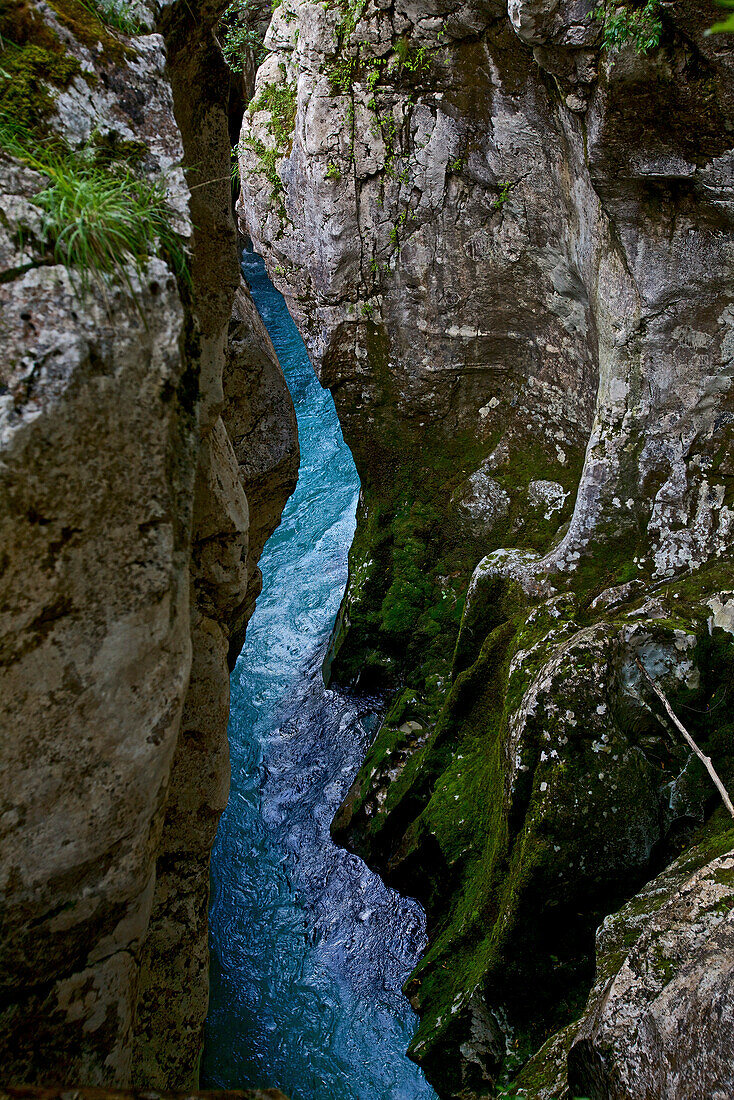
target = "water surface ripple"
x: 309, y: 949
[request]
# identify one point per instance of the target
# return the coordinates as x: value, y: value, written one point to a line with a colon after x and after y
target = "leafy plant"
x: 241, y: 34
x: 504, y: 194
x: 640, y: 28
x: 333, y: 172
x: 342, y: 74
x: 234, y: 171
x: 412, y: 60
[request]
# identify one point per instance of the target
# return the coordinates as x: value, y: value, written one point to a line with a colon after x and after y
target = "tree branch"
x: 705, y: 760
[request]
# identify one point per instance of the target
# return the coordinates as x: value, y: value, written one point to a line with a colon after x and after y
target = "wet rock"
x: 261, y: 422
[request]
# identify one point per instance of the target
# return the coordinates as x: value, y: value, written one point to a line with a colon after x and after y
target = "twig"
x: 705, y: 760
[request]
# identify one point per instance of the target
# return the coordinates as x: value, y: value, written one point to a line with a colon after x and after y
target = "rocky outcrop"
x: 662, y: 1020
x: 508, y: 250
x: 125, y: 538
x: 658, y: 1019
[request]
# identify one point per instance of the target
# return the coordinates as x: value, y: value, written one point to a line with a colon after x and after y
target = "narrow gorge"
x: 504, y: 233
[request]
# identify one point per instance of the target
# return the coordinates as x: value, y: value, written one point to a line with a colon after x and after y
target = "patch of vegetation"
x: 118, y: 14
x: 353, y: 11
x: 280, y: 101
x: 268, y: 160
x: 28, y: 76
x: 399, y: 223
x: 240, y: 34
x: 109, y: 149
x: 342, y: 75
x: 333, y: 172
x: 98, y: 218
x: 504, y: 195
x: 90, y: 21
x: 411, y: 59
x: 623, y: 26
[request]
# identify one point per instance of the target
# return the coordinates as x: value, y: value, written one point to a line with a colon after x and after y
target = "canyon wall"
x: 133, y: 429
x: 509, y: 250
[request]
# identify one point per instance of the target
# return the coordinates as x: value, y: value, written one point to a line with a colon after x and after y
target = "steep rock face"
x: 509, y: 253
x: 261, y: 422
x: 658, y: 1018
x: 662, y: 1020
x: 125, y: 554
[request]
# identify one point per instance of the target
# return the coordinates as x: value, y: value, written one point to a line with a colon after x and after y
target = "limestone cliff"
x: 127, y: 565
x: 508, y: 248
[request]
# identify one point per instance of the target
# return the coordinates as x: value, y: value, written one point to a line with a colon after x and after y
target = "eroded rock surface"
x: 125, y: 554
x: 509, y: 252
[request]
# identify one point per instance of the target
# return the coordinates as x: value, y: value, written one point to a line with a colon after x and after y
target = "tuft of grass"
x: 96, y: 222
x: 118, y: 14
x: 97, y: 219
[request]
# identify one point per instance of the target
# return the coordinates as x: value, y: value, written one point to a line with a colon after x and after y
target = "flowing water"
x: 309, y: 949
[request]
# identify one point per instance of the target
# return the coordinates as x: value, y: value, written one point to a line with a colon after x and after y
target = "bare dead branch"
x: 705, y: 760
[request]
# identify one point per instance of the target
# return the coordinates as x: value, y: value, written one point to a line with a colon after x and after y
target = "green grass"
x: 97, y: 220
x: 118, y: 14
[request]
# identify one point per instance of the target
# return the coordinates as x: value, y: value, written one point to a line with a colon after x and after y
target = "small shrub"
x: 640, y: 28
x: 240, y: 34
x: 333, y: 172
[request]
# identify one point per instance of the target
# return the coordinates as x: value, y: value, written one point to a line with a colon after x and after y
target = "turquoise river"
x: 308, y: 948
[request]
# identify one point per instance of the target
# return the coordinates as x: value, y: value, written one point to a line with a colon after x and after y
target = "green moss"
x: 28, y: 76
x: 280, y: 100
x: 88, y: 27
x: 34, y: 64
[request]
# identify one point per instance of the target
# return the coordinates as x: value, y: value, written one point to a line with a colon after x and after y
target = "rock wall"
x: 126, y: 551
x: 509, y: 251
